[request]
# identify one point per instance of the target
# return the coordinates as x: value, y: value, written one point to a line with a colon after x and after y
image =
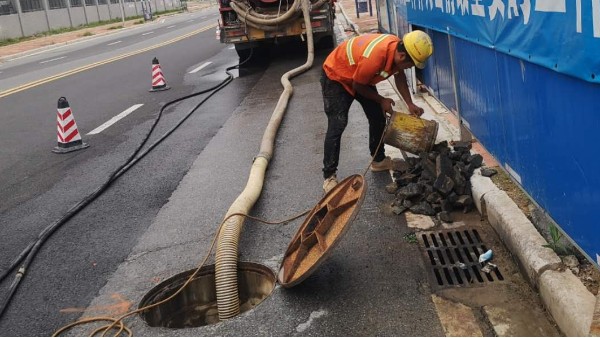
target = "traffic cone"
x: 67, y: 134
x: 158, y: 79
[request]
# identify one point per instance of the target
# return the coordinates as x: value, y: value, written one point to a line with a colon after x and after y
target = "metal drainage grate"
x: 454, y: 258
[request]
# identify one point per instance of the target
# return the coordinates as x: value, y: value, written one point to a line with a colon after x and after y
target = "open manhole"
x: 453, y: 258
x: 196, y: 304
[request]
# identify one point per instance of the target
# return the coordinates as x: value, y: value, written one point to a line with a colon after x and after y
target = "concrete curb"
x: 564, y: 295
x: 569, y: 302
x: 516, y: 231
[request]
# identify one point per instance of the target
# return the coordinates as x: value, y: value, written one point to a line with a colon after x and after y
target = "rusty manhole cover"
x: 323, y: 228
x: 453, y: 258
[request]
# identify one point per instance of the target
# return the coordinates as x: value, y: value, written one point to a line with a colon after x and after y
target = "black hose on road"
x: 29, y: 253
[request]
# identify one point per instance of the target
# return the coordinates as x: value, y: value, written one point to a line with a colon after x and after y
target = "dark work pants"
x: 337, y: 103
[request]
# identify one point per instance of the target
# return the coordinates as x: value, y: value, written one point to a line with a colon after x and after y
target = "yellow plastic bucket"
x: 410, y: 133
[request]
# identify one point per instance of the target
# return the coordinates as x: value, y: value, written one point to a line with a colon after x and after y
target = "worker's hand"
x: 415, y: 110
x: 386, y: 105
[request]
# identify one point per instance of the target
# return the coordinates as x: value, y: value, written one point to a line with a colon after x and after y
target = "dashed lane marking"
x: 171, y: 26
x: 115, y: 119
x: 200, y: 67
x: 55, y: 59
x: 148, y: 33
x: 100, y: 63
x: 114, y: 43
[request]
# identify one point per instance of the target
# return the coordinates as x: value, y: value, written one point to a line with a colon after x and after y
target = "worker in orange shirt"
x: 350, y: 73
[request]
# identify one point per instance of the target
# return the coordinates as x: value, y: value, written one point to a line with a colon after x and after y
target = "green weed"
x: 554, y: 243
x: 410, y: 237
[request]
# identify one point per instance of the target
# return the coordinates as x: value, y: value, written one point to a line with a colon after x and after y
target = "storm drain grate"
x: 454, y: 257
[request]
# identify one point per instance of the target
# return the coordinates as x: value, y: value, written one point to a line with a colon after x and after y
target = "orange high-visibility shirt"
x: 366, y: 59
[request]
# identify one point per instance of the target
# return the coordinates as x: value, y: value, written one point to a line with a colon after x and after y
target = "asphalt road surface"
x: 38, y: 186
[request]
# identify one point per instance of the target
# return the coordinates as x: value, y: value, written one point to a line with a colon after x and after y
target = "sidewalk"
x: 565, y: 297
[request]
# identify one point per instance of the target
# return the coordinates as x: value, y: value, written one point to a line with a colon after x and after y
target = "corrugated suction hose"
x: 228, y: 301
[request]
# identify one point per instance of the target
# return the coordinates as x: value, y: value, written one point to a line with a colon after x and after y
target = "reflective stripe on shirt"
x: 372, y: 45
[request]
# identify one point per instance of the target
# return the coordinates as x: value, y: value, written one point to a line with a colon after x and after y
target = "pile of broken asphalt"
x: 436, y: 183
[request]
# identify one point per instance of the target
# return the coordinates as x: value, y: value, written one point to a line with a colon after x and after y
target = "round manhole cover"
x: 196, y: 305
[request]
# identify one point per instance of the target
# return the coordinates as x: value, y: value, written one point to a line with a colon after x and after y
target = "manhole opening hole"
x: 196, y: 305
x: 453, y: 258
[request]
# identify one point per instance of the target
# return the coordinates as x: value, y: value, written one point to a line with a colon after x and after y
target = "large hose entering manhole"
x: 196, y: 304
x: 228, y: 302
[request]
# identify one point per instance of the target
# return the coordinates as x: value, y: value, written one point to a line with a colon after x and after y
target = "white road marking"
x: 148, y: 33
x: 171, y: 26
x: 200, y: 67
x: 191, y: 20
x: 62, y: 57
x: 115, y: 119
x: 114, y: 43
x: 232, y: 47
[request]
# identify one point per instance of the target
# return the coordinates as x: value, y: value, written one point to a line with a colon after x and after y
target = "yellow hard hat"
x: 419, y: 46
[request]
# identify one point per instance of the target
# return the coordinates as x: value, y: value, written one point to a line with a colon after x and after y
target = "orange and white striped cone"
x: 158, y: 79
x: 67, y: 134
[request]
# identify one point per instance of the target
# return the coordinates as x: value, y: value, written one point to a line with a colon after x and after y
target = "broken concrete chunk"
x: 488, y: 172
x: 455, y: 155
x: 423, y: 208
x: 398, y: 209
x: 465, y: 158
x: 412, y: 161
x: 476, y: 160
x: 401, y: 165
x: 463, y: 201
x: 441, y: 147
x: 410, y: 190
x: 468, y: 190
x: 447, y: 205
x: 452, y: 197
x: 443, y: 184
x: 469, y: 170
x: 428, y: 168
x: 391, y: 188
x: 407, y: 178
x: 433, y: 197
x: 416, y: 170
x: 444, y: 216
x: 443, y: 165
x: 461, y: 145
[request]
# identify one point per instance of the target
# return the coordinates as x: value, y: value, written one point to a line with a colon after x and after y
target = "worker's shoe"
x: 383, y: 165
x: 330, y: 183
